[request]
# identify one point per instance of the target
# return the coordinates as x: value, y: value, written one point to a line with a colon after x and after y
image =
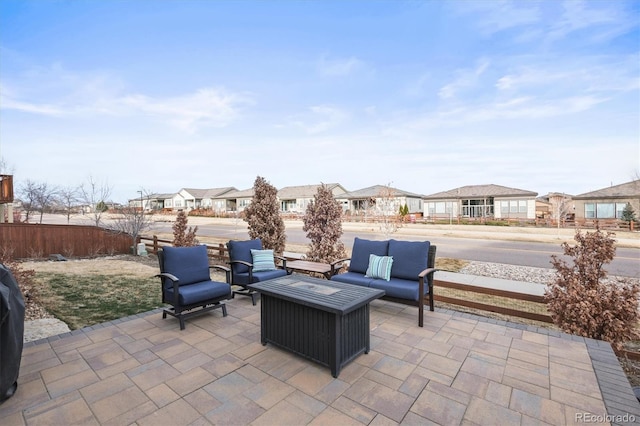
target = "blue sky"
x: 423, y: 95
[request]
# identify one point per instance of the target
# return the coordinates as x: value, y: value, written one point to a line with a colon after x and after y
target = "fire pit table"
x: 325, y: 321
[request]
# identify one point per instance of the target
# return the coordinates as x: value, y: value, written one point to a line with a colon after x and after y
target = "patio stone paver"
x: 458, y: 369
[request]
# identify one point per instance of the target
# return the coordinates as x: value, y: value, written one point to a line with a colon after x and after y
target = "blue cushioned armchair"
x: 187, y: 284
x: 243, y: 271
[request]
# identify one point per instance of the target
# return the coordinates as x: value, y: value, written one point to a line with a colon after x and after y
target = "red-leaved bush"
x: 323, y: 225
x: 263, y: 216
x: 183, y: 237
x: 583, y: 302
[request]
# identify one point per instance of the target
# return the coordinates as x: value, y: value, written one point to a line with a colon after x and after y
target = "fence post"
x: 155, y: 244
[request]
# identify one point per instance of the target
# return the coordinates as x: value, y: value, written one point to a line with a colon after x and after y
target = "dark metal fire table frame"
x: 325, y: 321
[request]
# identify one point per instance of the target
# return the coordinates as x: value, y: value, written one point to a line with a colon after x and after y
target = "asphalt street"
x: 509, y: 245
x: 513, y: 246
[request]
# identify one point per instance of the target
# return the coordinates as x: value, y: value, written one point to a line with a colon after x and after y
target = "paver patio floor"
x: 458, y: 369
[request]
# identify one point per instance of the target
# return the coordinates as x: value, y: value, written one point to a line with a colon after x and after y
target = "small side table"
x: 306, y: 266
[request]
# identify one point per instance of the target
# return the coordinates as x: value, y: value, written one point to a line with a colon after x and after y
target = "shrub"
x: 263, y: 216
x: 628, y: 215
x: 323, y: 225
x: 582, y: 303
x: 181, y: 236
x: 26, y: 281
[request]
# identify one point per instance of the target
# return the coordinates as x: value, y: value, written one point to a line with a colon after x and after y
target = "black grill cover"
x: 11, y: 332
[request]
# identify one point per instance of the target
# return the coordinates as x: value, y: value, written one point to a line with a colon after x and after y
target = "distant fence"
x: 30, y: 240
x: 217, y: 252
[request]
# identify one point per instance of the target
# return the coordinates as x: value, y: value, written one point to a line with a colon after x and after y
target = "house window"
x: 504, y: 207
x: 522, y: 206
x: 605, y: 210
x: 619, y: 209
x: 590, y: 211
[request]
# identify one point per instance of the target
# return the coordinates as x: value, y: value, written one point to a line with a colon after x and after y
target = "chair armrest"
x: 242, y: 262
x: 282, y: 259
x: 176, y: 287
x: 167, y: 275
x: 226, y: 270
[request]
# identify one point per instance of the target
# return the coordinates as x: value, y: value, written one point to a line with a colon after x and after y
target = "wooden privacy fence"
x: 30, y: 240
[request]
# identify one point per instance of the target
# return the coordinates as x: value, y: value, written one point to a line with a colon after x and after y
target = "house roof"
x: 376, y: 191
x: 207, y: 193
x: 624, y: 190
x: 305, y: 191
x: 245, y: 193
x: 477, y: 191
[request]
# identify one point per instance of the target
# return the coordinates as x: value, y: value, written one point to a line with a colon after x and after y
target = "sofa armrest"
x: 336, y: 263
x: 426, y: 272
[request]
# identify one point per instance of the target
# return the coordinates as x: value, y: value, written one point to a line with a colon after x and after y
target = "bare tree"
x: 95, y: 194
x: 68, y: 198
x: 562, y: 206
x: 46, y: 196
x: 388, y: 208
x: 36, y: 197
x: 132, y: 221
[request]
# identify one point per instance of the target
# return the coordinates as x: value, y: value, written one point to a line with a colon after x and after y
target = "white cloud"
x: 68, y: 94
x: 605, y: 22
x: 209, y: 107
x: 340, y: 66
x: 319, y: 119
x: 464, y: 79
x: 494, y: 16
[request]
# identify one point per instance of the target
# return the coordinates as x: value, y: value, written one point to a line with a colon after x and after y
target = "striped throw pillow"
x: 263, y: 260
x: 379, y: 267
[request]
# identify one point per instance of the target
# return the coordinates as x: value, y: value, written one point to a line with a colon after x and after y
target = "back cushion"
x: 361, y: 251
x: 241, y: 250
x: 189, y: 264
x: 409, y: 258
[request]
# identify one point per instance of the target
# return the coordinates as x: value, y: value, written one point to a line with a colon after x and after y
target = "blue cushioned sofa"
x: 412, y: 270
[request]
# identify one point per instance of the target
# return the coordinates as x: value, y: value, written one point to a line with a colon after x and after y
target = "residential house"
x: 295, y: 199
x: 235, y: 201
x: 192, y: 198
x: 380, y: 199
x: 608, y: 203
x: 555, y: 205
x: 475, y: 201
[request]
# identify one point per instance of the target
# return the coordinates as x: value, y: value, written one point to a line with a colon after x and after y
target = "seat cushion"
x: 200, y: 292
x: 409, y: 258
x: 241, y: 250
x: 379, y: 267
x: 361, y: 251
x: 396, y: 287
x: 189, y: 264
x: 262, y: 260
x: 354, y: 278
